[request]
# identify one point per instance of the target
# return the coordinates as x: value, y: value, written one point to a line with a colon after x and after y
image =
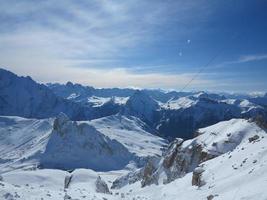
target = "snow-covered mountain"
x: 225, y: 161
x: 102, y: 144
x: 143, y: 106
x: 133, y: 133
x: 170, y: 114
x: 118, y: 143
x: 80, y: 93
x: 184, y: 156
x: 22, y: 96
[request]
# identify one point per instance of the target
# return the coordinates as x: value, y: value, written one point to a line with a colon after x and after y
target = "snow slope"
x: 239, y: 173
x: 184, y: 156
x: 50, y: 184
x: 134, y: 134
x: 61, y: 143
x: 20, y: 139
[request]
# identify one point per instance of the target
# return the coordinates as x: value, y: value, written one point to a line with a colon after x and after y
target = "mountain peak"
x: 141, y: 105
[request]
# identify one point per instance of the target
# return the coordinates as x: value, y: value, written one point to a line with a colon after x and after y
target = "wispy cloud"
x: 84, y: 41
x: 87, y: 29
x: 250, y: 58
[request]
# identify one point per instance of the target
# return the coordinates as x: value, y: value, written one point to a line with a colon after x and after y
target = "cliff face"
x: 183, y: 157
x: 79, y: 145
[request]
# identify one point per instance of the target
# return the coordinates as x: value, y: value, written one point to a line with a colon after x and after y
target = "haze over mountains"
x: 69, y: 141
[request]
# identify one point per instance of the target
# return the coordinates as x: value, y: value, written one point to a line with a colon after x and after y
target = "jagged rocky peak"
x: 59, y: 121
x: 101, y: 186
x: 73, y: 144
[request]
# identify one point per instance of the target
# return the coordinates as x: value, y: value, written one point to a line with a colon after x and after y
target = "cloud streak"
x: 104, y: 43
x: 117, y: 77
x: 251, y: 58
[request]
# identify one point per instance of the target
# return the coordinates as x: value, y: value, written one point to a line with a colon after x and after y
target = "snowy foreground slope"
x: 237, y: 171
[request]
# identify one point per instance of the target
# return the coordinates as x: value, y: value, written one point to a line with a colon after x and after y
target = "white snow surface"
x: 240, y: 174
x: 224, y: 136
x: 183, y: 102
x: 132, y: 133
x: 100, y: 101
x: 114, y: 140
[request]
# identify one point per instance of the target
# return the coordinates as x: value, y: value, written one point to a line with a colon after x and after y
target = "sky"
x: 213, y: 45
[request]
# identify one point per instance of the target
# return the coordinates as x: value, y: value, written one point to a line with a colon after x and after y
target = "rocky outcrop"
x: 178, y: 160
x: 73, y: 144
x: 67, y: 181
x: 129, y: 178
x: 148, y: 171
x: 101, y: 186
x: 197, y: 177
x: 144, y: 174
x: 253, y: 139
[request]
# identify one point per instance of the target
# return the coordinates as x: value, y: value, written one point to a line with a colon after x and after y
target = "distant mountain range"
x: 169, y: 114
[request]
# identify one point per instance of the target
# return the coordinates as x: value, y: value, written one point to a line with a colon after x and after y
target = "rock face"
x: 67, y: 181
x: 182, y: 157
x: 178, y: 160
x: 197, y: 177
x: 148, y: 177
x: 101, y: 186
x: 129, y: 178
x: 144, y: 174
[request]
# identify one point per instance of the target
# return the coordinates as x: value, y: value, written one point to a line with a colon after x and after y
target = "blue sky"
x: 138, y: 43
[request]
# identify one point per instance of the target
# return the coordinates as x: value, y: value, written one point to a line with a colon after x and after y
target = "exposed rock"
x: 210, y: 197
x: 254, y: 138
x: 172, y: 152
x: 197, y: 175
x: 148, y: 179
x: 177, y: 161
x: 8, y: 196
x: 137, y: 175
x: 101, y: 186
x: 72, y: 144
x: 129, y: 178
x: 59, y: 123
x: 67, y: 196
x: 67, y: 181
x: 182, y: 157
